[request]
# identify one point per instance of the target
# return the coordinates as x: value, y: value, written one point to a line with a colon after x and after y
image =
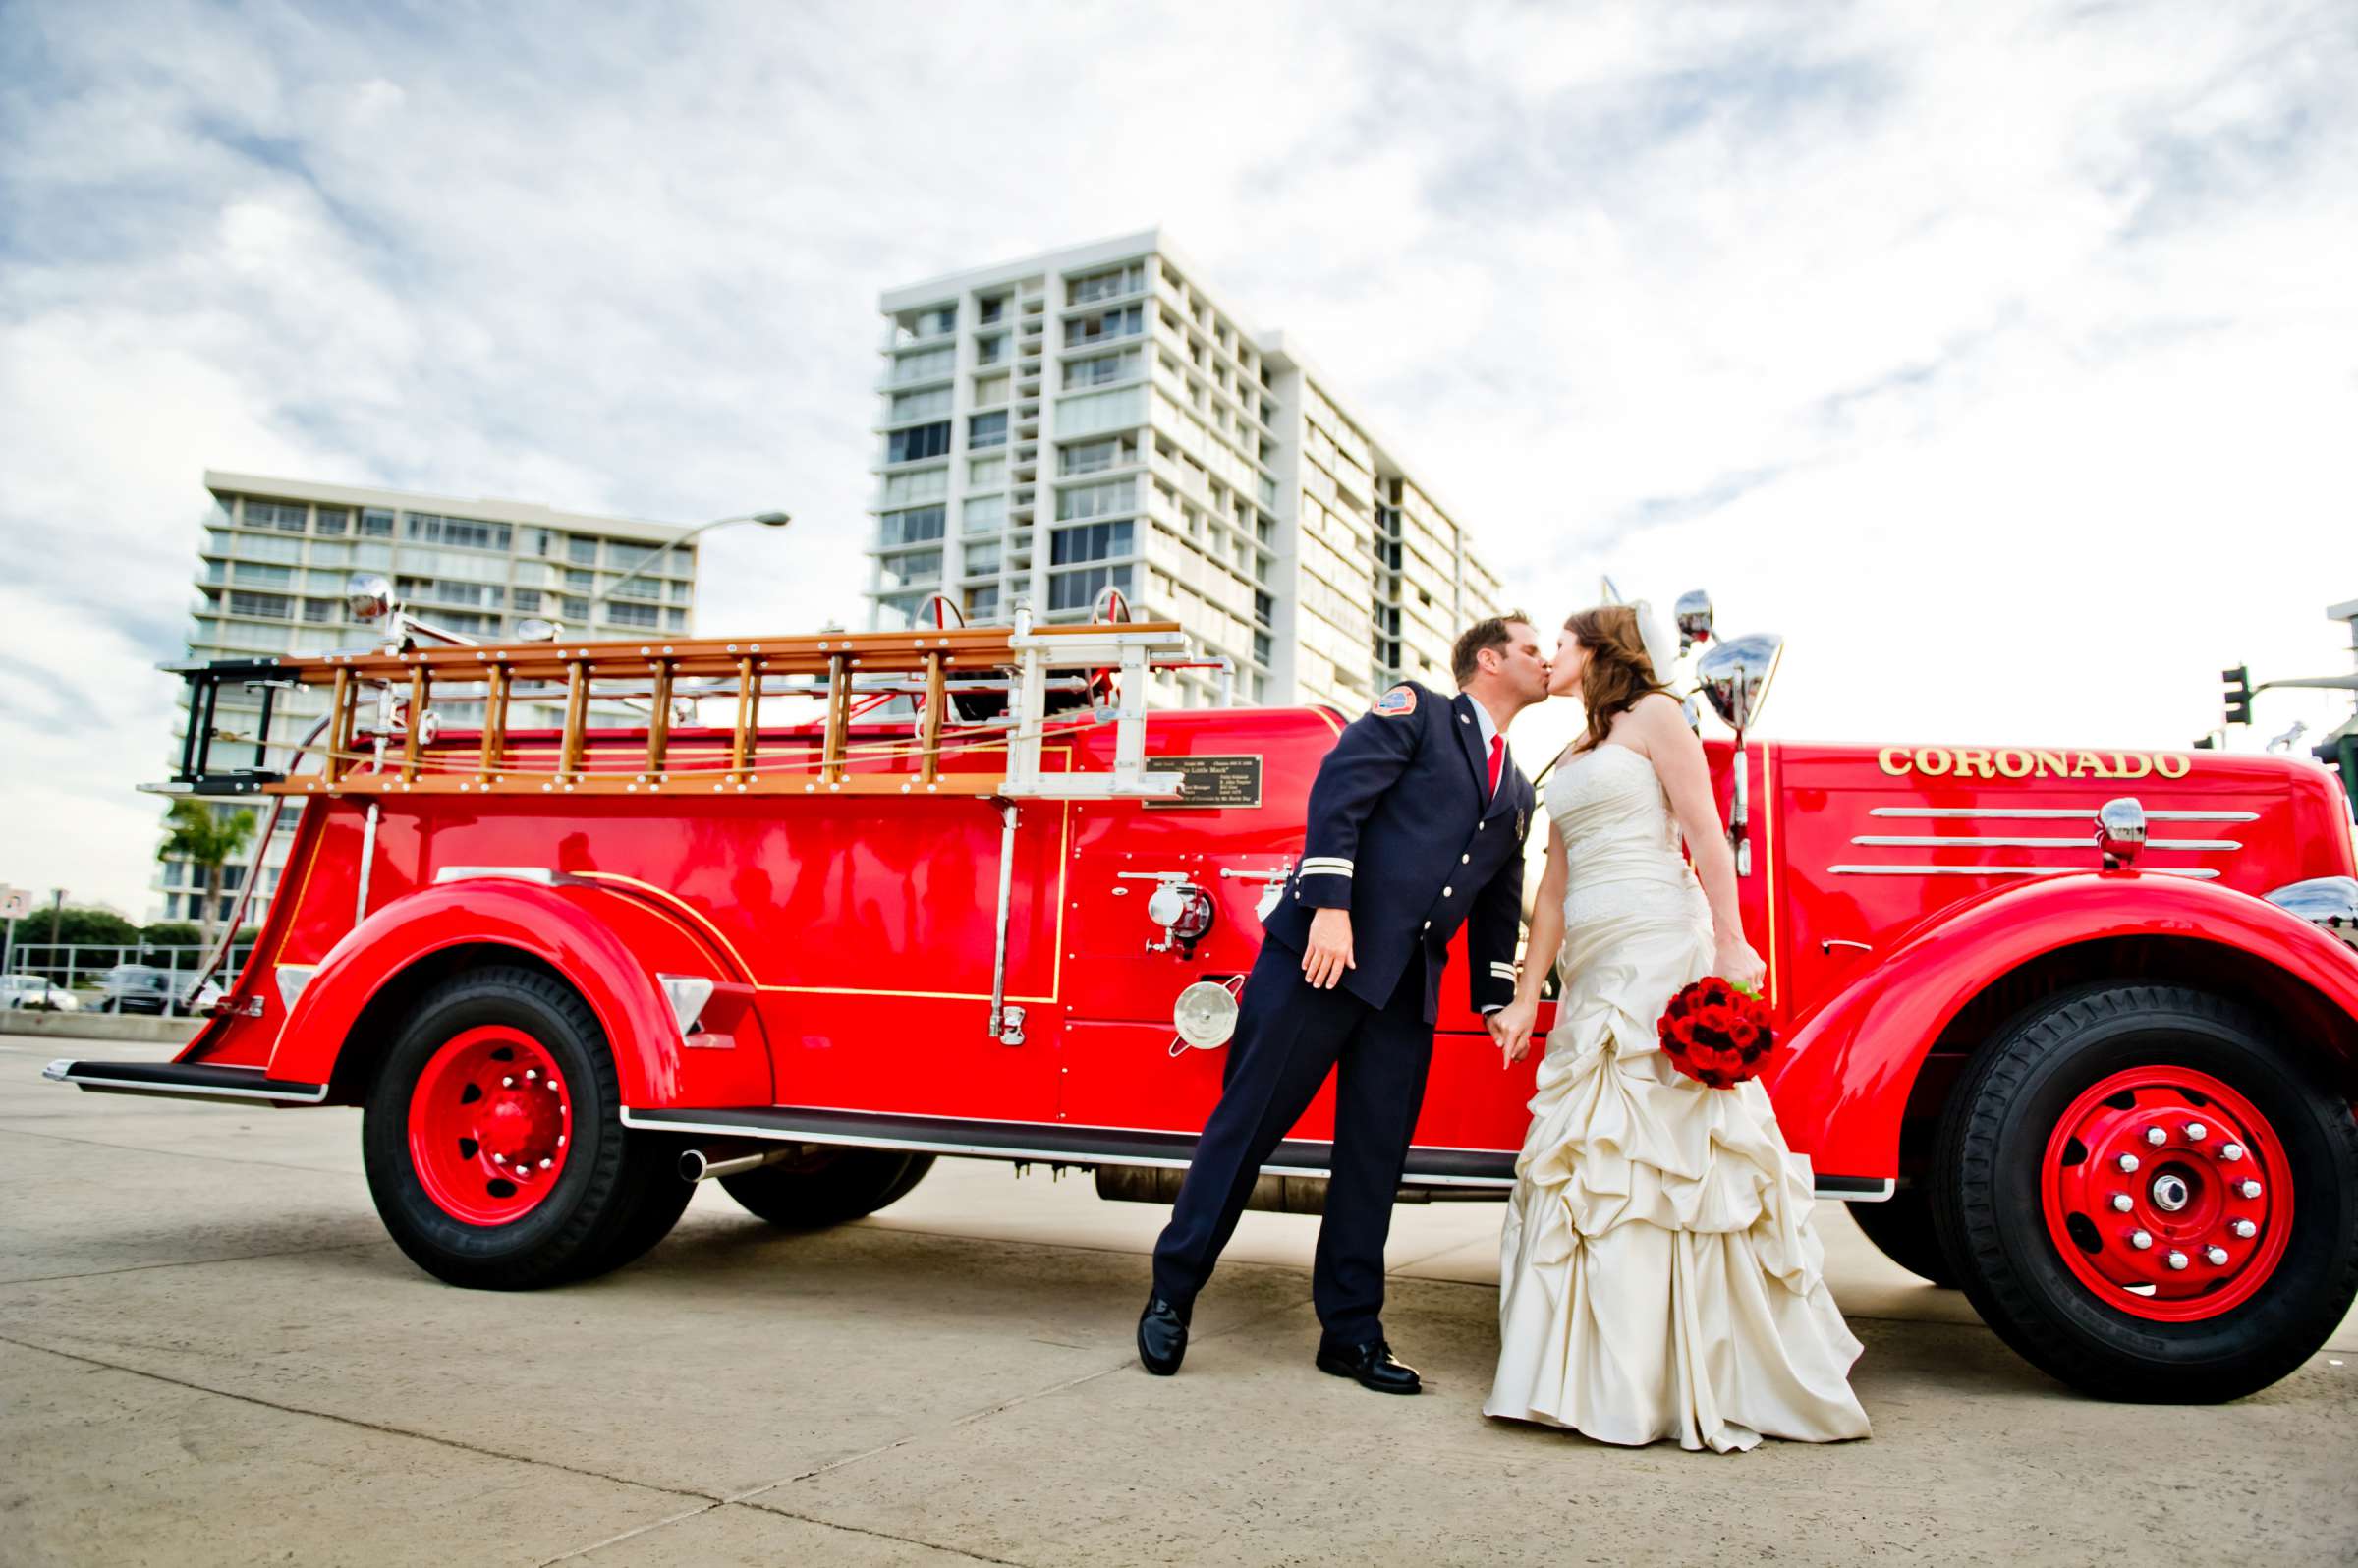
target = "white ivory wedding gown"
x: 1658, y: 1276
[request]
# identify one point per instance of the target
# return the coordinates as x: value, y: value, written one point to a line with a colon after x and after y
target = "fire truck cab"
x: 2076, y: 1031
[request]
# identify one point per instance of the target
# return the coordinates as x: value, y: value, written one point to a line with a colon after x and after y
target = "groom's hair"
x: 1464, y: 658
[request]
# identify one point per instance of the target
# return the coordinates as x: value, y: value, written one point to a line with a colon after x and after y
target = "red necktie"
x: 1497, y: 760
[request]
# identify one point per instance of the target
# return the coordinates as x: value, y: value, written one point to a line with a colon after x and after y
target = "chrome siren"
x: 368, y: 595
x: 1694, y: 615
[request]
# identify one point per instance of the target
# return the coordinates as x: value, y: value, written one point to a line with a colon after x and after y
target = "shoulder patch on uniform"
x: 1398, y: 702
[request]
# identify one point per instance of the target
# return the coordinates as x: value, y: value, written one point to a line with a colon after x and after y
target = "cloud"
x: 2001, y: 354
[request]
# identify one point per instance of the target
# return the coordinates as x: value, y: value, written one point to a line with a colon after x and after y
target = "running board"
x: 229, y: 1086
x: 1478, y: 1168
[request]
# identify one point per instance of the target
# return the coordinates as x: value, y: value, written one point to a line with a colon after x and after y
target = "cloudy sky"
x: 2004, y: 357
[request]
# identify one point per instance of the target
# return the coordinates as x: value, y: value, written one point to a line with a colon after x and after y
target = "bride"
x: 1659, y: 1274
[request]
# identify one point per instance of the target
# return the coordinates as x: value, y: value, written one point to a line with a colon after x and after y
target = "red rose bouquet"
x: 1715, y: 1034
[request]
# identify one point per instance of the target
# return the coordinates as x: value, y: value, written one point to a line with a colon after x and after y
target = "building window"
x: 982, y: 601
x: 576, y: 610
x: 925, y: 367
x: 991, y: 309
x: 271, y: 515
x: 930, y: 404
x: 911, y: 569
x: 981, y: 558
x: 459, y: 530
x: 620, y: 614
x: 1091, y: 457
x: 982, y: 514
x: 923, y: 484
x: 375, y: 524
x: 261, y: 576
x: 990, y: 350
x: 584, y: 582
x: 1107, y: 285
x: 912, y: 527
x: 269, y: 607
x: 317, y: 610
x: 1125, y: 322
x: 442, y: 590
x: 1104, y: 368
x: 985, y: 472
x: 897, y: 610
x: 1098, y: 541
x: 986, y: 430
x: 1103, y: 499
x: 335, y: 520
x: 989, y: 391
x: 1078, y: 591
x: 918, y: 442
x: 528, y: 602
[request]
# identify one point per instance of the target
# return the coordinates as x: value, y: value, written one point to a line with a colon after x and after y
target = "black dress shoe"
x: 1371, y: 1365
x: 1161, y: 1337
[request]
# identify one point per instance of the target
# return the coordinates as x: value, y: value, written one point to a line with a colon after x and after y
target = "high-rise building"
x: 271, y: 579
x: 1092, y: 417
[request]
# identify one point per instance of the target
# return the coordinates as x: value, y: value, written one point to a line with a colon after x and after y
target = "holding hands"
x: 1511, y: 1026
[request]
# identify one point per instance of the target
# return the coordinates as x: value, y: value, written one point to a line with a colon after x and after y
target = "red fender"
x: 1854, y: 1060
x: 608, y: 945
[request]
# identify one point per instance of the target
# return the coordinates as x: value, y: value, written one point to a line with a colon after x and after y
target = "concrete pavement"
x: 210, y: 1353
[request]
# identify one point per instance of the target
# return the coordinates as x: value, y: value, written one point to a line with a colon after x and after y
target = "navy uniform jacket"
x: 1401, y: 835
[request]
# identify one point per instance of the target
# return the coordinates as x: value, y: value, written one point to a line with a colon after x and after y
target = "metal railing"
x: 80, y: 968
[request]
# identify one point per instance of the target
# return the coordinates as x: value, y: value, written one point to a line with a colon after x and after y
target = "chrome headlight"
x: 1735, y: 674
x: 1204, y: 1015
x: 2327, y: 901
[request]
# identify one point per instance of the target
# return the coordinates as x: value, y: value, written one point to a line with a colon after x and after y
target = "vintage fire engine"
x: 2075, y: 1030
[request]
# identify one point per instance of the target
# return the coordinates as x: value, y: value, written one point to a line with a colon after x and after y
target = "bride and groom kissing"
x: 1659, y: 1274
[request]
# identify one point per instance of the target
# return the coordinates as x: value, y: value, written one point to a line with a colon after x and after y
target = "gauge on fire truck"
x: 1204, y: 1015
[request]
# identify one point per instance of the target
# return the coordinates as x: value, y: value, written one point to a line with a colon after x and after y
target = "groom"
x: 1417, y: 821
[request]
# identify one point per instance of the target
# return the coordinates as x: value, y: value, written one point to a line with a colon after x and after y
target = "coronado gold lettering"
x: 1973, y: 761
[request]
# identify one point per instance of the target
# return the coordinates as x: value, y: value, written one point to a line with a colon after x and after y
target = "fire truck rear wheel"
x: 493, y: 1140
x: 827, y: 1187
x: 1903, y: 1230
x: 2151, y: 1196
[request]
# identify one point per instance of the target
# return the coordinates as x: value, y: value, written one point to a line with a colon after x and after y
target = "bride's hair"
x: 1618, y: 673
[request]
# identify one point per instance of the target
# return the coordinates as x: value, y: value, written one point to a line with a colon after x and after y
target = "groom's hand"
x: 1330, y: 951
x: 1511, y: 1026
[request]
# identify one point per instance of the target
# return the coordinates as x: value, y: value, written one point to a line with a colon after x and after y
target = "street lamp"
x: 768, y: 520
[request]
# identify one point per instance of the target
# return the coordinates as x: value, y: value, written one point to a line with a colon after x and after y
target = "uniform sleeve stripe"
x: 1325, y: 865
x: 1506, y: 971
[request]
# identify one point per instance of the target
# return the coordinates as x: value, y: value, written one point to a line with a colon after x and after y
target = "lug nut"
x: 499, y: 1159
x: 550, y: 1086
x: 2121, y: 1203
x: 2231, y: 1152
x: 544, y: 1164
x: 2127, y: 1162
x: 531, y: 1073
x: 2215, y: 1257
x: 2196, y: 1132
x: 2177, y: 1259
x: 2140, y: 1239
x: 2248, y: 1188
x: 507, y: 1082
x: 2156, y: 1136
x: 2244, y: 1230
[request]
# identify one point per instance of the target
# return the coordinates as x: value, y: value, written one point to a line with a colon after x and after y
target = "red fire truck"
x: 2074, y: 1031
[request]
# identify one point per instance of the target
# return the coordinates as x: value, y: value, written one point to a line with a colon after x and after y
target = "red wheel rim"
x: 2177, y: 1157
x: 490, y: 1124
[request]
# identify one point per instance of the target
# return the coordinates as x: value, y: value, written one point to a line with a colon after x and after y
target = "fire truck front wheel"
x: 2150, y: 1195
x: 494, y: 1145
x: 827, y: 1185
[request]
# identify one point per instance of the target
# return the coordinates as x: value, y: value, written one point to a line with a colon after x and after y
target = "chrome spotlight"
x: 1735, y: 676
x: 1694, y: 615
x: 368, y: 595
x: 2119, y: 831
x: 537, y: 628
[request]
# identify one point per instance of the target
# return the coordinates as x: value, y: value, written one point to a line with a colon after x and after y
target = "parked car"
x: 135, y: 988
x: 36, y: 994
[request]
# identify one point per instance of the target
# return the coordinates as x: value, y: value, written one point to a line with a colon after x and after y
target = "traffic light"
x: 2239, y: 693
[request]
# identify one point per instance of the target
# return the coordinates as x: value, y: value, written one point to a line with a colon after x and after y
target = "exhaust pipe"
x: 700, y: 1165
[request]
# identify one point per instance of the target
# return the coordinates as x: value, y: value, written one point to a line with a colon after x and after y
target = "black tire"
x: 617, y: 1193
x: 827, y: 1185
x: 1903, y: 1230
x: 1992, y: 1222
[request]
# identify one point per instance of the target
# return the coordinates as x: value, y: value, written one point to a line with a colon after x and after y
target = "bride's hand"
x: 1738, y: 965
x: 1510, y: 1028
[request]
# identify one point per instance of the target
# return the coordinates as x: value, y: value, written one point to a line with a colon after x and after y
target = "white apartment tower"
x: 1094, y: 418
x: 271, y: 580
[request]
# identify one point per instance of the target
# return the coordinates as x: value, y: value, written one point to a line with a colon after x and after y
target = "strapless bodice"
x: 1621, y: 843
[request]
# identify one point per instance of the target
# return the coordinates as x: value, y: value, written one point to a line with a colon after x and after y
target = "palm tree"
x: 194, y: 833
